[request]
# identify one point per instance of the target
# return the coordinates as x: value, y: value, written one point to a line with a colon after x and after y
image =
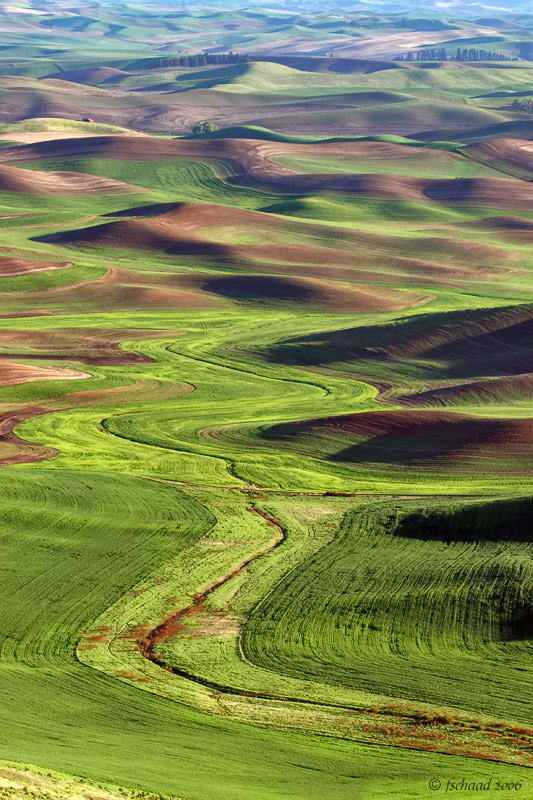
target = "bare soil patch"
x: 13, y: 373
x: 91, y: 346
x: 66, y: 184
x: 20, y: 266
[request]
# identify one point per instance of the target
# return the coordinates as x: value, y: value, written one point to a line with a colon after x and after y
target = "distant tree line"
x: 524, y: 104
x: 199, y: 60
x: 439, y: 54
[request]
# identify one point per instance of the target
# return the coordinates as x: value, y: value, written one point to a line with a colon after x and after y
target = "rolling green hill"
x: 266, y: 428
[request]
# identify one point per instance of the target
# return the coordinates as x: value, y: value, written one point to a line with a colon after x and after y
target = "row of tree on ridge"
x: 440, y: 54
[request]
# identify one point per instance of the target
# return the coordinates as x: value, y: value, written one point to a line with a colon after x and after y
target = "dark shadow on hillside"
x: 456, y: 344
x: 265, y: 287
x: 521, y: 129
x: 128, y: 235
x: 497, y: 521
x: 150, y: 210
x: 332, y: 64
x: 419, y: 445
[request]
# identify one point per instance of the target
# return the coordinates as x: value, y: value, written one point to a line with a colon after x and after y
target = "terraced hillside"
x: 266, y: 427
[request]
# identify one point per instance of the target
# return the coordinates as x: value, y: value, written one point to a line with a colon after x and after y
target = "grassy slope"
x: 265, y: 77
x: 77, y: 564
x: 53, y: 124
x: 63, y: 537
x: 439, y: 168
x: 451, y: 605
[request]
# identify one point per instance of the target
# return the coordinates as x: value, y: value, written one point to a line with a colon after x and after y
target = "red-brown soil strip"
x: 13, y: 373
x: 306, y: 291
x: 91, y: 346
x: 107, y: 296
x: 19, y: 451
x: 408, y: 437
x: 514, y: 153
x: 20, y: 266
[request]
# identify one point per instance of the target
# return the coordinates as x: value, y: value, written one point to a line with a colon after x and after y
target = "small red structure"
x: 88, y: 119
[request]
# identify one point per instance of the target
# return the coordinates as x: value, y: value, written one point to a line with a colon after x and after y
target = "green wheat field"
x: 266, y: 402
